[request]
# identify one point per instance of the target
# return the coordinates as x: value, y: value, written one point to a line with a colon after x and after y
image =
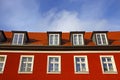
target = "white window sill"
x: 84, y: 72
x: 25, y: 72
x: 53, y: 72
x: 110, y: 72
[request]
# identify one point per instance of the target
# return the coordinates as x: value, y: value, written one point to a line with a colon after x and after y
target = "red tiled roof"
x: 41, y: 38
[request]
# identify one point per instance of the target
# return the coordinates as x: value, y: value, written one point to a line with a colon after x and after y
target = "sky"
x: 60, y: 15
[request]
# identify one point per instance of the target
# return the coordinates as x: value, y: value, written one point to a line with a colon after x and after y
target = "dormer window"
x: 54, y: 38
x: 19, y: 38
x: 100, y: 38
x: 77, y: 38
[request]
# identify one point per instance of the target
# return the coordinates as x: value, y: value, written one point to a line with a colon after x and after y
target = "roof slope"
x: 41, y: 38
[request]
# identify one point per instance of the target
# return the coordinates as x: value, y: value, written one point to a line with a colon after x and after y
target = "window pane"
x: 77, y: 59
x: 82, y: 59
x: 29, y: 65
x: 28, y: 69
x: 51, y: 39
x: 79, y: 39
x: 99, y: 39
x: 2, y: 59
x: 29, y: 59
x: 22, y: 69
x: 1, y: 65
x: 103, y: 59
x: 0, y: 69
x: 77, y: 67
x: 20, y: 39
x: 56, y: 39
x: 105, y: 67
x: 56, y: 59
x: 110, y: 67
x: 24, y: 59
x: 15, y: 39
x: 23, y: 65
x: 83, y: 67
x: 50, y: 67
x: 75, y: 39
x: 103, y: 39
x: 56, y: 67
x: 109, y: 59
x: 51, y: 59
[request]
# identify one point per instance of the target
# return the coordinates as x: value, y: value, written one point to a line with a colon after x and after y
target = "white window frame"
x: 58, y: 42
x: 4, y: 62
x: 86, y: 63
x: 18, y: 34
x: 101, y: 38
x: 32, y: 63
x: 113, y: 64
x: 59, y: 65
x: 78, y: 40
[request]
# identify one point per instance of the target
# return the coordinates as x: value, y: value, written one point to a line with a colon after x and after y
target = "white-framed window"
x: 101, y: 39
x: 108, y: 64
x: 54, y: 39
x: 26, y: 64
x: 81, y: 65
x: 78, y: 39
x: 18, y: 39
x: 2, y: 62
x: 54, y: 64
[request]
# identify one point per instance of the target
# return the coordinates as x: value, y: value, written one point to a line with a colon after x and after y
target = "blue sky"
x: 60, y: 15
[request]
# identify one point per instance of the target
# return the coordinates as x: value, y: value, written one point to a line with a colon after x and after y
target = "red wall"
x: 67, y: 67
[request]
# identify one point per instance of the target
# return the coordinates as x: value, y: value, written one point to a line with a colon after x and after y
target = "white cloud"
x: 21, y: 15
x: 70, y: 21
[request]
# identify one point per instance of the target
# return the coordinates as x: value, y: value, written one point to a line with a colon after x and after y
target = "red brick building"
x: 59, y: 56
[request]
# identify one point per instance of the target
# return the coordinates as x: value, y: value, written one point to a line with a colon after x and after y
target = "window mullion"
x: 108, y: 66
x: 73, y: 39
x: 101, y: 38
x: 58, y: 36
x: 77, y: 39
x: 54, y: 39
x: 22, y: 38
x: 54, y: 64
x: 81, y: 66
x: 106, y: 39
x: 81, y: 38
x: 17, y: 38
x: 26, y: 65
x: 97, y: 38
x: 86, y: 65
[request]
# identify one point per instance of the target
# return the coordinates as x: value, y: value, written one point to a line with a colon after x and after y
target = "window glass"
x: 54, y: 64
x: 18, y: 39
x: 54, y: 39
x: 26, y: 64
x: 101, y: 39
x: 81, y: 65
x: 2, y: 62
x: 78, y: 39
x: 108, y: 64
